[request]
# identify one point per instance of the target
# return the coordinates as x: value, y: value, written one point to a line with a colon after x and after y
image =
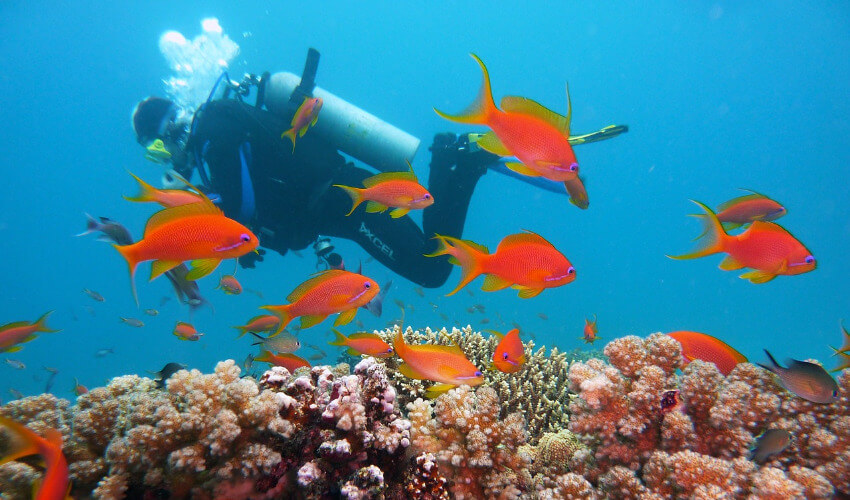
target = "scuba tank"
x: 350, y: 129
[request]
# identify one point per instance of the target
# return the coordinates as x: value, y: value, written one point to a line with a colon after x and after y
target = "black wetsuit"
x: 294, y: 201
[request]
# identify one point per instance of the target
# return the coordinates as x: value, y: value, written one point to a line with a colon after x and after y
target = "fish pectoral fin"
x: 492, y: 144
x: 399, y: 212
x: 353, y: 352
x: 201, y: 268
x: 758, y: 277
x: 14, y: 349
x: 526, y: 292
x: 521, y: 168
x: 345, y: 317
x: 493, y: 283
x: 375, y: 207
x: 159, y: 267
x: 730, y: 264
x: 728, y: 226
x: 409, y: 372
x: 437, y: 390
x: 312, y: 319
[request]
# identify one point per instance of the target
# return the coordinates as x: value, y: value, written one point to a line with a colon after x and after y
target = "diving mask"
x: 157, y: 153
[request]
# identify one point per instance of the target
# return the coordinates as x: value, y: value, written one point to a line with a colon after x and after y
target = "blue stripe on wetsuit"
x: 246, y: 211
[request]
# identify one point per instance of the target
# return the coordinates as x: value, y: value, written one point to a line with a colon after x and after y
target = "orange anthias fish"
x: 198, y: 232
x: 577, y: 192
x: 259, y: 324
x: 306, y: 116
x: 329, y: 292
x: 747, y: 209
x: 590, y: 330
x: 185, y: 331
x: 538, y: 137
x: 509, y: 356
x: 165, y: 197
x: 400, y: 190
x: 79, y: 389
x: 704, y: 347
x: 55, y: 484
x: 285, y: 359
x: 765, y: 247
x: 445, y: 364
x: 19, y: 332
x: 230, y: 285
x: 525, y: 261
x: 359, y: 343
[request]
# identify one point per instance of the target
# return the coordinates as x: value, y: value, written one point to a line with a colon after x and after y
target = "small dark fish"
x: 470, y: 292
x: 315, y: 357
x: 17, y: 365
x: 132, y: 322
x: 484, y: 321
x: 113, y: 232
x: 399, y: 303
x: 49, y: 385
x: 480, y: 308
x: 167, y: 371
x: 102, y: 353
x: 542, y: 316
x: 151, y: 312
x: 258, y: 293
x: 16, y: 394
x: 285, y: 342
x: 94, y: 295
x: 376, y: 305
x: 433, y: 305
x: 419, y: 291
x: 807, y: 380
x: 187, y: 291
x: 163, y: 301
x: 79, y: 389
x: 770, y: 442
x: 51, y: 369
x: 248, y: 363
x: 471, y: 309
x: 316, y: 348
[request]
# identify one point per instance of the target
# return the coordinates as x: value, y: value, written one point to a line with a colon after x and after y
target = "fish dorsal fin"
x: 391, y: 176
x: 364, y: 335
x: 762, y: 226
x: 728, y: 204
x: 477, y: 246
x: 16, y: 324
x: 308, y: 285
x: 523, y: 238
x: 171, y: 214
x: 183, y: 323
x: 528, y: 107
x: 498, y: 335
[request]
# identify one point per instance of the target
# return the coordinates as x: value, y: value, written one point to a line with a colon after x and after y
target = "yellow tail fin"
x: 356, y: 195
x: 712, y: 240
x: 126, y: 251
x: 147, y: 192
x: 482, y: 107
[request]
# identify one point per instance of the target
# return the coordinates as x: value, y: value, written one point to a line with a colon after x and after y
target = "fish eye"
x: 367, y: 285
x: 427, y: 196
x: 390, y: 349
x: 244, y: 237
x: 574, y: 167
x: 810, y: 259
x: 571, y: 270
x: 477, y: 373
x: 505, y: 356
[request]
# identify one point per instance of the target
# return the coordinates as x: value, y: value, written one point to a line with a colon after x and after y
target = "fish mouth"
x: 572, y: 167
x: 556, y: 278
x: 362, y: 292
x: 468, y: 377
x: 225, y: 248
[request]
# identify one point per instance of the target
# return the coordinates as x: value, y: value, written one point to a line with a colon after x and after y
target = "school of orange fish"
x: 192, y: 229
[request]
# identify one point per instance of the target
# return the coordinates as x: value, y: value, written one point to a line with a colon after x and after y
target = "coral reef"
x: 540, y: 391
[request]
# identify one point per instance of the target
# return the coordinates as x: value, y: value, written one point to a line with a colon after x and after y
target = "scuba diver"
x: 286, y: 196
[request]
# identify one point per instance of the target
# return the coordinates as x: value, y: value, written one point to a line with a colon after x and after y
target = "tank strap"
x: 248, y: 206
x: 261, y: 90
x: 308, y: 80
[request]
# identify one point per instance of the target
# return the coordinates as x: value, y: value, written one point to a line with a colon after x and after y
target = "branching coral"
x: 540, y: 391
x: 478, y: 450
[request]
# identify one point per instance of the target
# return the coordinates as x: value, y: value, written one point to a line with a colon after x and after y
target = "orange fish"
x: 538, y: 137
x: 230, y: 285
x: 79, y: 389
x: 765, y: 247
x: 185, y: 331
x: 400, y: 190
x: 259, y: 324
x: 285, y: 359
x: 509, y: 356
x: 359, y: 343
x: 329, y: 292
x: 525, y: 261
x: 306, y: 116
x: 165, y: 197
x: 55, y: 484
x: 19, y: 332
x: 577, y: 192
x: 707, y: 348
x: 590, y: 330
x: 445, y: 364
x: 747, y: 209
x: 198, y: 232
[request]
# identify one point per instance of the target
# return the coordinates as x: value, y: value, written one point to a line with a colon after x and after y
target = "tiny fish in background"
x: 102, y: 353
x: 248, y: 363
x: 578, y: 193
x: 79, y: 389
x: 590, y: 330
x: 768, y: 443
x: 230, y: 285
x: 151, y: 312
x: 317, y: 349
x: 94, y: 295
x: 185, y: 331
x: 806, y: 380
x: 484, y: 321
x: 305, y: 117
x: 113, y: 232
x: 16, y: 393
x: 14, y: 363
x: 52, y: 370
x: 132, y: 322
x: 258, y: 293
x: 285, y: 342
x: 543, y: 316
x: 166, y: 372
x: 418, y: 290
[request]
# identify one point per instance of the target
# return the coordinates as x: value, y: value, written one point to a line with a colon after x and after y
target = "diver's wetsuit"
x: 293, y: 198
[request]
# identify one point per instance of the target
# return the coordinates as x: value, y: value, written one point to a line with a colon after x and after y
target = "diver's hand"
x: 249, y: 260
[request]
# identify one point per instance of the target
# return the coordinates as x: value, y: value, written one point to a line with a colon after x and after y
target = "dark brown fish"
x: 770, y: 442
x: 807, y: 380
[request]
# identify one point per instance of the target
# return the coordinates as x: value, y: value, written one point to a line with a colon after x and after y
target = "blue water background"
x: 717, y: 95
